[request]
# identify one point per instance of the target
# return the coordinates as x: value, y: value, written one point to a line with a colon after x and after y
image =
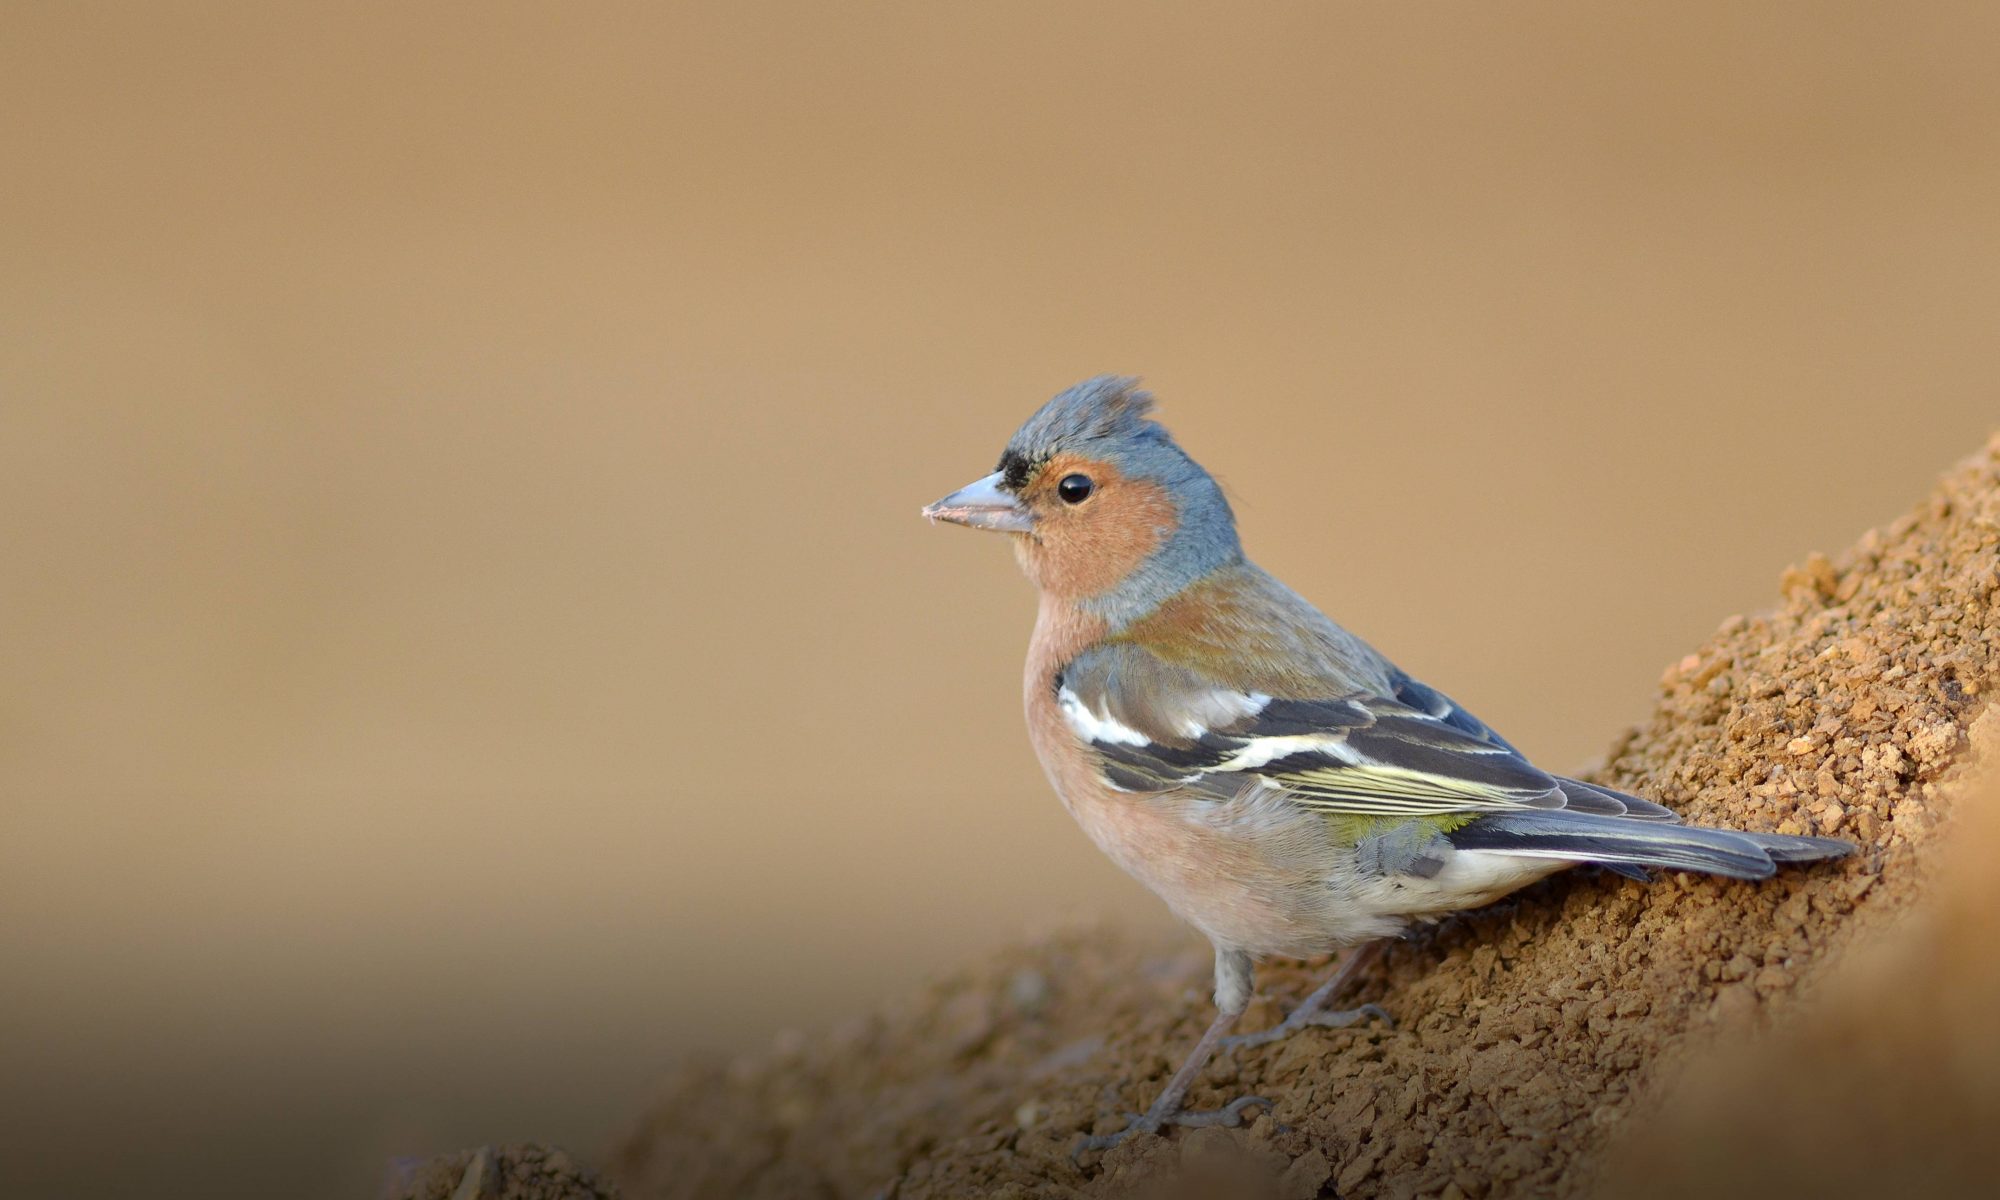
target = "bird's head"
x: 1105, y: 510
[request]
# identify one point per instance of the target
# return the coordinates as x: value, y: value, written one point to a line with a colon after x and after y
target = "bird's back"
x: 1243, y: 628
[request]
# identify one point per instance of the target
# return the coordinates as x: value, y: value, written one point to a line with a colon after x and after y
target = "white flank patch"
x: 1473, y: 878
x: 1096, y: 727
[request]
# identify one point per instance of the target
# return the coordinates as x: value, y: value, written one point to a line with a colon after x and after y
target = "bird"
x: 1284, y: 787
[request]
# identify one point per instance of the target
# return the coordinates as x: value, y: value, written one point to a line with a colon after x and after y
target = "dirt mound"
x: 1528, y: 1035
x: 1899, y: 1045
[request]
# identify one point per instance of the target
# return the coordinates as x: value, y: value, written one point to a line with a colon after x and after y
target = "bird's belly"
x: 1252, y: 875
x: 1262, y: 876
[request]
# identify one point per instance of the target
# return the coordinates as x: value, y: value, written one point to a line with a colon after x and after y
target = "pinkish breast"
x: 1251, y: 873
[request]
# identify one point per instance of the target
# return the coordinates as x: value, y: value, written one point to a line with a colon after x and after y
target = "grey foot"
x: 1308, y: 1015
x: 1230, y: 1114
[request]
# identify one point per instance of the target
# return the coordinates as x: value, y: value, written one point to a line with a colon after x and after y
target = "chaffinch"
x: 1280, y: 784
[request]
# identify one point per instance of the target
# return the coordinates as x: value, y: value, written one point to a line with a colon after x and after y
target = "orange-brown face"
x: 1092, y: 525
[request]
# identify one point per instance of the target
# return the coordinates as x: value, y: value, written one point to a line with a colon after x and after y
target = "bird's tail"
x: 1625, y: 842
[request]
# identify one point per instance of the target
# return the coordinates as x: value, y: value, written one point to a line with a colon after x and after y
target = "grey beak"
x: 983, y: 505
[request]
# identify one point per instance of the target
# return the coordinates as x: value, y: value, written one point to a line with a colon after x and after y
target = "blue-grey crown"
x: 1108, y: 406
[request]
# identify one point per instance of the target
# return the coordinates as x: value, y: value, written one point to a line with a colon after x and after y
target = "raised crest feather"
x: 1104, y: 407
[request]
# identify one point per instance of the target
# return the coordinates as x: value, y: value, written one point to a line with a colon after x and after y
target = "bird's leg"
x: 1232, y: 996
x: 1313, y: 1009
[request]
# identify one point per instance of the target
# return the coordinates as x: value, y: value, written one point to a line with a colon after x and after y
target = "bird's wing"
x: 1577, y: 795
x: 1156, y: 726
x: 1435, y: 704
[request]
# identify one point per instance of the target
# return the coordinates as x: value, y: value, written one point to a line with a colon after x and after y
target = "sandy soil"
x: 1888, y: 1084
x: 1573, y: 1040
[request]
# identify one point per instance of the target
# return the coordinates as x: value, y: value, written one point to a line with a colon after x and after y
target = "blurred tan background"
x: 468, y: 638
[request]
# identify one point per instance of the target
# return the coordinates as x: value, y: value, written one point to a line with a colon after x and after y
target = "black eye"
x: 1075, y: 489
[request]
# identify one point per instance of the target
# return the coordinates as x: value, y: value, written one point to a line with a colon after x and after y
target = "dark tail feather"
x: 1596, y: 798
x: 1787, y: 848
x: 1617, y: 841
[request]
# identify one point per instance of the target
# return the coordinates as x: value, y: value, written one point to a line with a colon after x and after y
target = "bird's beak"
x: 983, y: 505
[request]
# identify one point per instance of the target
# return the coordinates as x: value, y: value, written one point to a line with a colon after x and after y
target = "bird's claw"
x: 1302, y: 1017
x: 1229, y: 1115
